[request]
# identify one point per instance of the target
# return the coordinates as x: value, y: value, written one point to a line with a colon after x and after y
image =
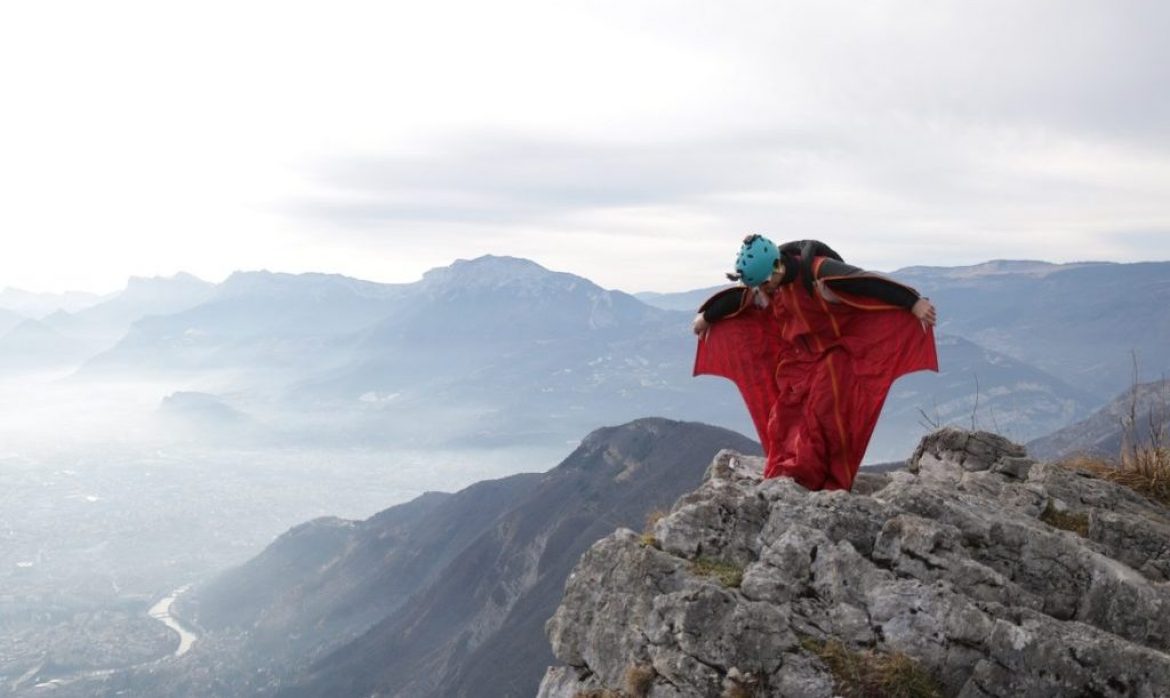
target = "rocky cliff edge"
x: 975, y: 572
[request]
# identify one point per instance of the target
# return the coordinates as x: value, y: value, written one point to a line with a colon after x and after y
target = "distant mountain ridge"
x: 9, y: 319
x: 492, y: 350
x: 995, y: 267
x: 685, y: 300
x: 37, y: 305
x: 63, y: 338
x: 1079, y: 322
x: 498, y: 350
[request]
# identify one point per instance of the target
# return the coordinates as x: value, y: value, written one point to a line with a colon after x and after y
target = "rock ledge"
x: 952, y: 562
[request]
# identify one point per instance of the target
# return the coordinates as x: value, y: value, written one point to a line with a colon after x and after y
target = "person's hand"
x: 924, y: 310
x: 700, y: 325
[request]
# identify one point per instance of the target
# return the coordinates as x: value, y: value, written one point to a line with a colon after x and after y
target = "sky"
x: 631, y: 142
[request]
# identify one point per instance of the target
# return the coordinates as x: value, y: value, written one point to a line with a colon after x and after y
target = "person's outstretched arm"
x: 850, y: 279
x: 720, y: 306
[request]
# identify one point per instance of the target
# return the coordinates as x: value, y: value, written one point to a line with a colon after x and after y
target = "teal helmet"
x: 756, y: 260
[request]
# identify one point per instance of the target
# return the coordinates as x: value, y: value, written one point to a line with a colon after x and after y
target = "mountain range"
x: 1082, y: 323
x: 63, y: 338
x: 37, y: 305
x: 500, y: 350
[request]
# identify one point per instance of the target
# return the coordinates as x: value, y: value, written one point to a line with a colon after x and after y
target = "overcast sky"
x: 630, y: 142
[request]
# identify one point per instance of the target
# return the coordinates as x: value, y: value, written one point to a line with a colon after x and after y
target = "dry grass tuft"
x: 1143, y: 470
x: 869, y: 674
x: 639, y: 679
x: 729, y: 575
x: 648, y: 537
x: 1143, y: 464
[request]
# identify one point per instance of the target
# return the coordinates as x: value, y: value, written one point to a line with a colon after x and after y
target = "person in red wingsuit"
x: 813, y: 345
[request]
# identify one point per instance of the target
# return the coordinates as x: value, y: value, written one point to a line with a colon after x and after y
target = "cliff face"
x: 985, y: 571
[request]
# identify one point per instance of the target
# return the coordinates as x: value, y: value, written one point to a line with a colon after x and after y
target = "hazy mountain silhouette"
x: 9, y: 320
x: 62, y: 339
x: 686, y: 300
x: 34, y: 344
x: 38, y: 305
x: 490, y: 351
x: 254, y: 322
x: 141, y: 297
x: 502, y: 349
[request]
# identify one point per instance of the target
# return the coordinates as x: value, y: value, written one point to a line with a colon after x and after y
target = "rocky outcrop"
x: 992, y: 574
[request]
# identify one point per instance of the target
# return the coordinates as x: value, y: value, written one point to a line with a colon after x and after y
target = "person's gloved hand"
x: 924, y: 310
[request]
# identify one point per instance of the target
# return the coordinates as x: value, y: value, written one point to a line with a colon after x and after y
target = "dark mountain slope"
x: 478, y: 629
x: 1144, y: 408
x: 328, y: 580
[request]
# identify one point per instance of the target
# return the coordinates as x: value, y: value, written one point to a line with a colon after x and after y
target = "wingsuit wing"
x: 745, y: 349
x: 892, y: 343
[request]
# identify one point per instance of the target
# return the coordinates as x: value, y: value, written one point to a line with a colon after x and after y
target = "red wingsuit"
x: 814, y: 374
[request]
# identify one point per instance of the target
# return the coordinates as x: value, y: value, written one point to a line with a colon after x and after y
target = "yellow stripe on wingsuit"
x: 825, y: 304
x: 800, y: 312
x: 832, y: 371
x: 840, y: 419
x: 837, y: 408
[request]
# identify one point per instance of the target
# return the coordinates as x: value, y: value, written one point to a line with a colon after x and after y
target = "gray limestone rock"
x: 956, y: 563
